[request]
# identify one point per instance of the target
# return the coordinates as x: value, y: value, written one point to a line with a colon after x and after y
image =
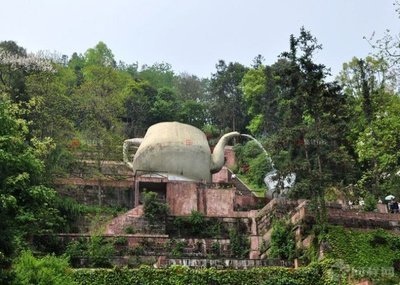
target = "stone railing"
x: 349, y: 217
x: 162, y: 245
x: 222, y: 263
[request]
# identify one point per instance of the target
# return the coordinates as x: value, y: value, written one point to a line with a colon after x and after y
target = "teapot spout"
x: 217, y: 158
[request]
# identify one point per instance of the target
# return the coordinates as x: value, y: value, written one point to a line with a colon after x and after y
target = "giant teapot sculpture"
x: 177, y: 150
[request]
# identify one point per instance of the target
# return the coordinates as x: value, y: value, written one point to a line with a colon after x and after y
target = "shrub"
x: 216, y: 248
x: 129, y: 230
x: 253, y: 162
x: 120, y: 241
x: 314, y: 274
x: 370, y: 203
x: 196, y: 225
x: 282, y: 241
x: 97, y: 251
x: 154, y: 210
x: 178, y: 247
x: 42, y: 271
x: 239, y: 242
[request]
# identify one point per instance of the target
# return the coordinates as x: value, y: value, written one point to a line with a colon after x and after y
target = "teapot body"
x: 175, y: 149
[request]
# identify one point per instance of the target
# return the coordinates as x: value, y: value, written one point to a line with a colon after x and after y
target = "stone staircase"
x: 241, y: 187
x: 119, y: 224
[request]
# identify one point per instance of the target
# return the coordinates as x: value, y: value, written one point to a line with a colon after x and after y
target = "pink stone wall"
x: 221, y: 176
x: 249, y: 201
x: 219, y: 202
x: 229, y: 156
x: 182, y: 198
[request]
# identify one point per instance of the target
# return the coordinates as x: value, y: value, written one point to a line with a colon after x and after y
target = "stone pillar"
x: 254, y: 247
x: 382, y: 208
x: 136, y: 194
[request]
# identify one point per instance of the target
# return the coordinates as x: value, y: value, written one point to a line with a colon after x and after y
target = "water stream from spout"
x: 261, y: 146
x: 269, y: 178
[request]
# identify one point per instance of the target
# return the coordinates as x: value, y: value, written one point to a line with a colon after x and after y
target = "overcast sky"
x: 192, y: 35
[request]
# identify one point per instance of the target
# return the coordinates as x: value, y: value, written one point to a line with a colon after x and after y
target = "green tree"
x: 190, y: 87
x: 261, y: 93
x: 100, y: 55
x: 160, y: 75
x: 193, y: 113
x: 76, y: 64
x: 364, y: 80
x: 50, y: 107
x: 12, y: 79
x: 227, y: 104
x: 99, y: 107
x: 166, y: 107
x: 282, y: 241
x: 139, y: 97
x: 312, y: 136
x: 377, y: 148
x: 27, y: 208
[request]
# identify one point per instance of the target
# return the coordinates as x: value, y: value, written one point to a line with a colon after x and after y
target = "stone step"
x: 118, y: 224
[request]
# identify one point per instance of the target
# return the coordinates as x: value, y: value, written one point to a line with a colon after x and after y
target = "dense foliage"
x: 282, y: 241
x: 364, y: 249
x: 49, y: 270
x: 96, y: 250
x: 155, y: 211
x: 313, y: 274
x: 373, y: 254
x: 196, y: 225
x: 27, y: 206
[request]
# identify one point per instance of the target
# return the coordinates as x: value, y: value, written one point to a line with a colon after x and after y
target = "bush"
x: 129, y: 230
x: 42, y: 271
x: 370, y: 203
x: 253, y: 162
x: 282, y: 241
x: 239, y: 241
x: 120, y: 241
x: 313, y: 274
x: 97, y: 251
x: 175, y: 247
x: 154, y: 210
x: 196, y: 225
x: 216, y: 248
x: 258, y: 167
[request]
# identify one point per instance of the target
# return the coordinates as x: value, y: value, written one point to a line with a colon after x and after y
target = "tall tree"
x: 261, y: 94
x: 159, y: 75
x: 77, y: 63
x: 377, y: 147
x: 100, y: 55
x: 27, y: 207
x: 15, y: 65
x: 312, y: 136
x: 166, y: 107
x: 228, y: 108
x: 190, y: 87
x: 369, y: 84
x: 139, y: 97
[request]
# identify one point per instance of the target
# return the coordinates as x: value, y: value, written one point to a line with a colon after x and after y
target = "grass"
x: 257, y: 190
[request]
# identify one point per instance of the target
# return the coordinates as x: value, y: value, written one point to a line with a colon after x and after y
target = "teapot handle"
x: 136, y: 142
